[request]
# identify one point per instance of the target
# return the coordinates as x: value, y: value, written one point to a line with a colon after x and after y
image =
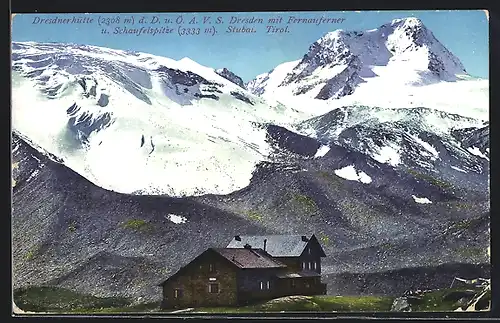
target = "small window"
x: 211, y: 268
x: 268, y: 284
x: 213, y: 288
x: 261, y: 285
x: 309, y: 250
x: 307, y: 265
x: 308, y: 285
x: 313, y: 265
x: 302, y: 265
x: 292, y: 283
x: 178, y: 293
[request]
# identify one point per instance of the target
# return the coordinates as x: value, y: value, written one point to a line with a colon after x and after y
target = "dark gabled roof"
x: 276, y: 245
x: 249, y: 258
x: 304, y: 273
x: 240, y: 257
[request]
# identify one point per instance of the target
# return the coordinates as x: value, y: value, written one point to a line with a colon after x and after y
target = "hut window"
x: 213, y: 288
x: 309, y: 250
x: 307, y: 265
x: 178, y: 293
x: 302, y: 265
x: 211, y: 268
x: 265, y: 285
x: 292, y: 283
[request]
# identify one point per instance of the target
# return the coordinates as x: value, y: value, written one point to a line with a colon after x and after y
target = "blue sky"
x: 464, y: 33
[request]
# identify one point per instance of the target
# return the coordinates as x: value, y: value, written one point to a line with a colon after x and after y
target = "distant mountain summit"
x: 403, y: 51
x: 227, y: 74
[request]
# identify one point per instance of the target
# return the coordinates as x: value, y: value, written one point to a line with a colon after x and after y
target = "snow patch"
x: 32, y: 175
x: 177, y: 219
x: 364, y: 178
x: 388, y: 155
x: 459, y: 169
x: 428, y: 147
x: 351, y: 174
x: 475, y: 151
x: 322, y: 151
x: 421, y: 200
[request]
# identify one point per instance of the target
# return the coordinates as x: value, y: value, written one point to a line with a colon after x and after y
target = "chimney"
x: 247, y: 246
x: 237, y: 238
x: 305, y: 239
x: 265, y: 243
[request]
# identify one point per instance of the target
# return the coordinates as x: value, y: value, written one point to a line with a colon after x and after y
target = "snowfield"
x: 149, y: 138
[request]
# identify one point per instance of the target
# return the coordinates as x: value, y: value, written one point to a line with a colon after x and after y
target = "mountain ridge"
x: 341, y: 60
x: 87, y: 218
x: 98, y: 102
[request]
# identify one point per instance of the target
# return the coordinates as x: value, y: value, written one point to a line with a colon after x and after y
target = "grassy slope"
x: 53, y: 299
x: 321, y: 303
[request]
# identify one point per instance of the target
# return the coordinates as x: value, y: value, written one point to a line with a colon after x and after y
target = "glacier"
x: 137, y: 123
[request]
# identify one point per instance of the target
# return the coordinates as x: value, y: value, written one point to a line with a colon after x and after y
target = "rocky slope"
x: 70, y: 233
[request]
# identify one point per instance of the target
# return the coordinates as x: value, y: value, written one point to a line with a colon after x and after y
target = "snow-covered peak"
x: 271, y: 79
x: 408, y: 21
x: 331, y: 36
x: 187, y: 60
x: 403, y: 51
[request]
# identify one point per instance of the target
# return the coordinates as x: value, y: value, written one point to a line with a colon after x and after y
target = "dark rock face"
x: 180, y: 77
x: 292, y: 142
x: 343, y: 83
x: 474, y: 137
x: 82, y: 123
x: 227, y: 74
x: 182, y: 87
x: 241, y: 97
x: 103, y: 100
